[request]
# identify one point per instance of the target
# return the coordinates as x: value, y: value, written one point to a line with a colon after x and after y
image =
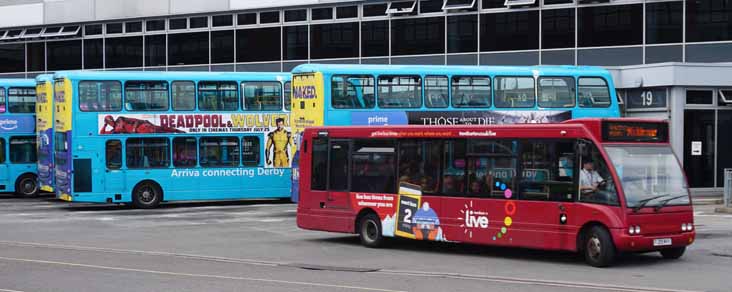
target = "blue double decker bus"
x: 17, y: 137
x: 44, y: 131
x: 142, y: 138
x: 374, y: 95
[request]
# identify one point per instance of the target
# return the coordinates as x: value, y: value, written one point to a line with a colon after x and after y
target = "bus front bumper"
x: 645, y: 243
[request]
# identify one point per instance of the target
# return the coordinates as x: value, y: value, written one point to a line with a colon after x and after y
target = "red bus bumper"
x: 326, y: 220
x: 644, y: 243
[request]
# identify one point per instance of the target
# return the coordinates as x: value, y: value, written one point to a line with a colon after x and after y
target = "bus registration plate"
x: 662, y: 242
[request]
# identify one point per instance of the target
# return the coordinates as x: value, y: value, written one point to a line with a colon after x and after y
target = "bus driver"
x: 590, y: 180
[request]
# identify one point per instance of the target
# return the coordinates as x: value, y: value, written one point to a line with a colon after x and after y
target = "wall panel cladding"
x: 21, y: 15
x: 69, y: 11
x: 196, y: 6
x: 110, y: 9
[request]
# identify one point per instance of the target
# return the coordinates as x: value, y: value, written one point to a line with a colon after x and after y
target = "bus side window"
x: 147, y: 153
x: 319, y: 165
x: 2, y: 99
x: 23, y: 149
x: 595, y: 181
x: 184, y: 95
x: 352, y: 92
x: 593, y: 92
x: 113, y: 154
x: 2, y: 150
x: 515, y: 92
x: 419, y: 163
x: 453, y: 168
x: 373, y: 167
x: 436, y: 92
x: 262, y: 96
x: 219, y: 152
x: 184, y: 152
x: 288, y: 95
x: 492, y: 167
x: 250, y: 151
x: 547, y: 173
x: 218, y: 96
x: 471, y: 91
x: 22, y: 100
x: 338, y: 168
x: 146, y: 95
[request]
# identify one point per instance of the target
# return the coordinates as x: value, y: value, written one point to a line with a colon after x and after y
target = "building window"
x: 93, y: 53
x: 296, y: 15
x: 509, y: 31
x: 337, y: 40
x: 418, y: 36
x: 184, y: 152
x: 322, y: 13
x: 178, y: 23
x: 515, y: 92
x: 246, y: 18
x: 23, y: 149
x: 124, y: 52
x: 593, y: 92
x: 222, y: 20
x: 64, y: 55
x: 374, y: 10
x: 22, y: 99
x: 471, y: 91
x: 218, y: 96
x: 146, y: 96
x: 557, y: 28
x: 346, y: 12
x: 222, y: 46
x: 352, y: 92
x: 489, y: 4
x: 250, y: 151
x: 113, y: 28
x: 12, y: 58
x: 145, y: 153
x: 269, y: 17
x: 664, y: 22
x: 295, y: 42
x: 436, y: 92
x: 699, y: 97
x: 708, y: 20
x: 135, y: 26
x: 92, y: 29
x: 375, y: 38
x: 462, y: 33
x: 155, y: 50
x: 198, y: 22
x: 100, y: 96
x: 556, y: 92
x: 400, y: 91
x: 219, y: 152
x: 188, y: 48
x: 259, y: 44
x: 610, y: 25
x: 155, y: 25
x: 184, y: 95
x: 113, y: 154
x: 262, y: 96
x: 36, y: 53
x: 430, y: 6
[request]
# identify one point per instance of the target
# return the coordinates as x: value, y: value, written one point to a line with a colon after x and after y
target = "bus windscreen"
x: 648, y: 132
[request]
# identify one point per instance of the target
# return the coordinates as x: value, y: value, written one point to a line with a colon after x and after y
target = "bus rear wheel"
x: 370, y: 231
x: 673, y: 253
x: 27, y: 185
x: 147, y: 195
x: 599, y: 250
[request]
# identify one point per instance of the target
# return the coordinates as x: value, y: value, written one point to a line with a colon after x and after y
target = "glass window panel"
x: 296, y: 15
x: 372, y: 167
x: 462, y: 33
x: 2, y: 100
x: 453, y: 167
x: 295, y: 42
x: 337, y: 40
x: 133, y: 26
x: 250, y: 151
x: 593, y: 92
x: 93, y: 53
x: 419, y: 163
x: 470, y: 91
x: 113, y: 154
x: 93, y: 29
x: 246, y: 18
x: 12, y: 58
x: 428, y: 6
x: 269, y: 17
x: 418, y: 36
x: 708, y: 20
x: 184, y: 152
x: 184, y: 95
x: 557, y: 27
x: 318, y: 164
x: 112, y: 28
x: 155, y: 25
x: 198, y: 22
x: 375, y: 38
x: 664, y: 22
x: 338, y: 166
x: 514, y: 92
x: 288, y: 95
x: 548, y: 170
x: 22, y: 99
x: 322, y: 13
x: 374, y: 10
x: 699, y: 97
x: 219, y: 152
x: 36, y: 53
x: 346, y: 12
x: 222, y: 20
x: 124, y: 52
x: 146, y: 96
x: 65, y: 55
x: 509, y: 31
x: 146, y: 153
x: 23, y: 149
x: 102, y: 96
x: 258, y: 45
x: 400, y: 91
x: 615, y: 25
x: 552, y: 2
x: 218, y: 96
x: 188, y: 48
x: 556, y: 92
x: 155, y: 50
x: 262, y: 96
x: 178, y: 23
x: 352, y: 91
x: 593, y: 171
x: 436, y: 92
x: 488, y: 4
x: 222, y: 46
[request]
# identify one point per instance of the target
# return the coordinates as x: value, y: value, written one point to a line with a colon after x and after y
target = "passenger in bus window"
x: 450, y: 185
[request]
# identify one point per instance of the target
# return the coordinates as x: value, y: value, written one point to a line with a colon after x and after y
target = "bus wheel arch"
x: 596, y: 245
x: 147, y: 194
x: 369, y: 229
x: 27, y: 185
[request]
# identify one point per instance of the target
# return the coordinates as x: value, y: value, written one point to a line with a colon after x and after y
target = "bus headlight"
x: 634, y: 230
x: 637, y: 230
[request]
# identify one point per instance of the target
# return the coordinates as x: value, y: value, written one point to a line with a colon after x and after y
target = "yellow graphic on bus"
x: 44, y: 124
x: 63, y: 105
x: 307, y: 102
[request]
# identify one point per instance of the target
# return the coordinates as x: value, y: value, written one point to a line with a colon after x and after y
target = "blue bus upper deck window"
x: 436, y: 92
x: 184, y: 95
x: 146, y: 96
x: 593, y: 92
x: 400, y: 91
x: 471, y: 91
x: 2, y: 99
x: 100, y: 96
x: 556, y: 92
x: 148, y: 152
x: 218, y: 96
x: 352, y: 92
x: 515, y: 92
x: 262, y: 96
x: 22, y: 100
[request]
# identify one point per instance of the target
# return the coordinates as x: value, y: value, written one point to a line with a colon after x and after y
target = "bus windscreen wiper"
x: 642, y: 203
x: 663, y: 203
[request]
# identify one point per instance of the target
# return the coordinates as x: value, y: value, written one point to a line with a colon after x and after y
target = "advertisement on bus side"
x: 432, y: 118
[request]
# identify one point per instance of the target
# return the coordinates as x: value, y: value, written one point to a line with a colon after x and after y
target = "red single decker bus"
x: 595, y: 186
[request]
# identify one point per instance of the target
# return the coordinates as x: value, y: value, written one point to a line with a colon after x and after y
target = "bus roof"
x: 17, y: 82
x: 449, y: 69
x: 158, y: 75
x: 44, y: 78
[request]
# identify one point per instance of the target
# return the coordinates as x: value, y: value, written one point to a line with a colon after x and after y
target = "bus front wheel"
x: 673, y: 253
x: 147, y: 195
x: 370, y: 231
x: 27, y: 185
x: 599, y: 250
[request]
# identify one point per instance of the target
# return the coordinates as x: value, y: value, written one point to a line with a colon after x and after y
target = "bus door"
x: 114, y: 176
x: 338, y: 179
x: 3, y: 166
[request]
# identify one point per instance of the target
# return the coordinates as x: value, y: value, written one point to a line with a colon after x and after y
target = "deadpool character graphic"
x: 125, y: 125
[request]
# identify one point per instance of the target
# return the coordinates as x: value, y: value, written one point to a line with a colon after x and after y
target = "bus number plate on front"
x: 662, y: 242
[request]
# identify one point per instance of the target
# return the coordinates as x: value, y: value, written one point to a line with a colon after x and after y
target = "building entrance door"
x: 699, y: 147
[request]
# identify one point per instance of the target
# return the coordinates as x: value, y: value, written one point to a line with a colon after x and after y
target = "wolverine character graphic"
x: 278, y: 143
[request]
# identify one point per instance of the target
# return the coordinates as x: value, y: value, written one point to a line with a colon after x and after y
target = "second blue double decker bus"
x: 17, y: 137
x: 148, y: 137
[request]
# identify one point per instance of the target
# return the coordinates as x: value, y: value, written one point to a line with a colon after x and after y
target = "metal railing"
x: 728, y: 187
